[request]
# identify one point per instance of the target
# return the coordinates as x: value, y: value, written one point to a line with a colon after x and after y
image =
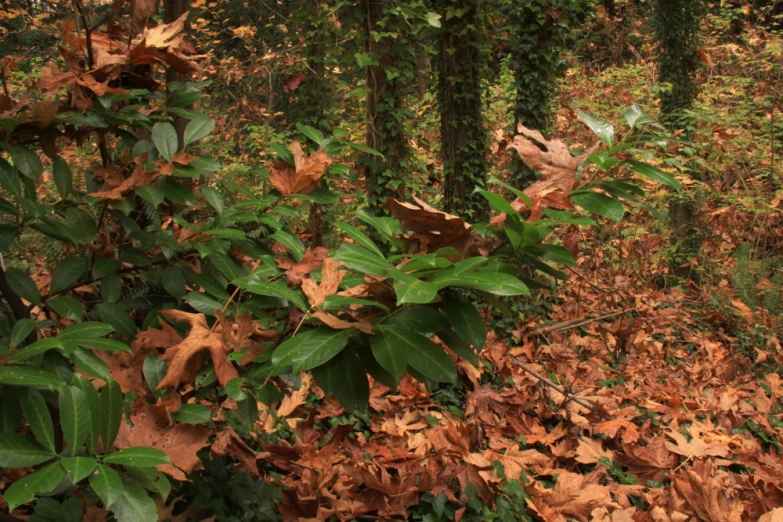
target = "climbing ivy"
x: 677, y: 33
x: 461, y: 65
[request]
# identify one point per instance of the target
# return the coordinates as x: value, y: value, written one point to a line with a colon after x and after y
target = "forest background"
x: 429, y: 260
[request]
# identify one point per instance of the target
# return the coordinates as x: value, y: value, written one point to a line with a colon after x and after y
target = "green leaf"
x: 291, y: 242
x: 654, y: 174
x: 25, y: 489
x: 86, y: 361
x: 360, y: 237
x: 17, y: 451
x: 412, y: 290
x: 311, y: 348
x: 135, y: 257
x: 151, y: 194
x: 433, y: 19
x: 85, y: 331
x: 9, y: 179
x: 164, y: 135
x: 81, y: 225
x: 363, y: 260
x: 104, y: 266
x: 314, y: 134
x: 604, y: 130
x: 23, y: 285
x: 140, y: 456
x: 20, y: 331
x: 273, y: 289
x: 107, y: 484
x: 494, y: 283
x: 31, y: 377
x: 150, y: 479
x: 193, y: 414
x: 420, y: 319
x: 67, y: 272
x: 364, y: 148
x: 226, y: 264
x: 63, y: 179
x: 198, y: 128
x: 635, y: 116
x: 110, y: 402
x: 38, y: 347
x: 465, y: 320
x: 345, y: 378
x: 598, y: 203
x: 25, y: 160
x: 110, y: 345
x: 93, y: 403
x: 213, y: 197
x: 458, y: 345
x: 75, y: 416
x: 67, y: 307
x: 8, y: 234
x: 203, y: 303
x: 341, y: 302
x: 36, y: 412
x: 118, y: 317
x: 78, y: 467
x: 284, y: 153
x: 394, y: 346
x: 154, y: 370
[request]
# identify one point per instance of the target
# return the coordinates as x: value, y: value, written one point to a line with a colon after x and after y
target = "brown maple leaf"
x: 152, y: 427
x: 591, y: 451
x: 317, y: 293
x: 228, y: 443
x: 698, y: 446
x: 306, y: 174
x: 558, y: 167
x: 434, y: 229
x: 311, y: 260
x: 200, y: 337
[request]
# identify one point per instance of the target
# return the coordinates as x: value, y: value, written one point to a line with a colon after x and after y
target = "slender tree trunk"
x: 463, y: 136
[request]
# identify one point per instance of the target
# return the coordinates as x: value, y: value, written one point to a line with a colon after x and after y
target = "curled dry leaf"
x: 304, y: 176
x: 311, y: 260
x: 199, y: 338
x: 151, y: 426
x: 433, y: 228
x: 228, y: 444
x: 316, y: 293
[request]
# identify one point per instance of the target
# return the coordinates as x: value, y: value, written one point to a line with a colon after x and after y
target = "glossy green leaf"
x: 25, y: 160
x: 23, y: 285
x: 67, y: 272
x: 394, y: 347
x: 78, y: 467
x: 75, y: 416
x: 67, y: 307
x: 636, y: 116
x: 409, y: 289
x: 603, y: 129
x: 314, y: 134
x: 465, y: 320
x: 93, y: 403
x: 598, y: 203
x: 494, y: 283
x: 84, y: 331
x: 193, y: 414
x: 360, y: 237
x: 28, y: 376
x: 63, y: 179
x: 311, y: 348
x: 458, y: 345
x: 25, y: 489
x: 20, y: 331
x: 272, y: 289
x: 345, y: 378
x: 139, y: 456
x: 213, y: 197
x: 118, y: 317
x: 198, y: 128
x: 165, y: 138
x: 36, y: 412
x: 291, y: 242
x: 110, y: 345
x: 420, y: 319
x: 110, y: 401
x: 81, y: 225
x: 135, y: 257
x: 87, y: 362
x: 654, y: 174
x: 363, y: 260
x: 154, y: 370
x: 107, y: 484
x: 17, y: 451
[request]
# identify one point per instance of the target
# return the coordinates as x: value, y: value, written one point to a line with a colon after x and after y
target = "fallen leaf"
x: 304, y: 177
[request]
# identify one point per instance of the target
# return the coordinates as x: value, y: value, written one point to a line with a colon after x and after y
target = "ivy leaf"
x: 311, y: 348
x: 433, y: 19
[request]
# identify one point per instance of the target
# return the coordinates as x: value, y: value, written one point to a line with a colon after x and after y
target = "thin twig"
x: 573, y: 323
x: 568, y: 396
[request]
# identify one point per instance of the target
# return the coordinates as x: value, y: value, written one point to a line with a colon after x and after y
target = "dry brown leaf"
x: 306, y: 174
x: 199, y: 338
x: 776, y: 515
x: 153, y: 427
x: 697, y: 446
x: 297, y: 398
x: 591, y: 451
x: 433, y: 228
x: 228, y: 443
x: 312, y: 259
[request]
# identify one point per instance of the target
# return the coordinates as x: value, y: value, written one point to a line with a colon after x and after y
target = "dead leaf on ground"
x: 306, y: 174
